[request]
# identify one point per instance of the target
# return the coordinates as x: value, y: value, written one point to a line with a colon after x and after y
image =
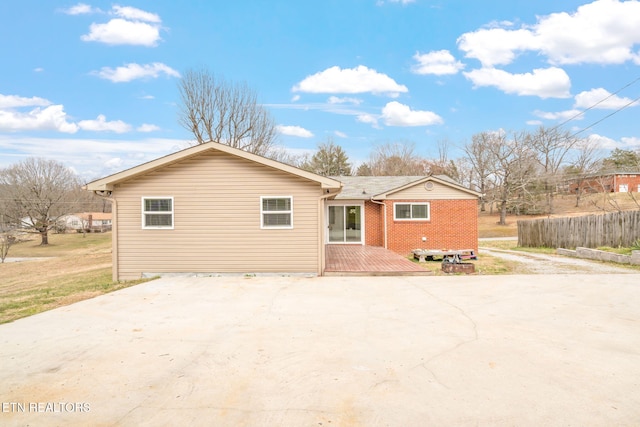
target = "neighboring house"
x: 215, y: 209
x: 614, y: 182
x: 88, y: 221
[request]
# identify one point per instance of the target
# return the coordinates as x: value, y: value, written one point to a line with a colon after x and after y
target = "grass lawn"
x: 72, y: 268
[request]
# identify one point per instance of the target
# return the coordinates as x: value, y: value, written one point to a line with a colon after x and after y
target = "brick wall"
x: 374, y: 227
x: 453, y: 224
x: 631, y: 180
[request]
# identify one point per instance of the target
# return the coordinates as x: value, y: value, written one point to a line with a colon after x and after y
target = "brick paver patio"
x: 369, y: 260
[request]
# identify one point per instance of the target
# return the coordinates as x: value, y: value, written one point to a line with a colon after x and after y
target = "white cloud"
x: 397, y: 114
x: 633, y: 142
x: 52, y: 117
x: 114, y: 163
x: 79, y: 9
x: 601, y: 32
x: 604, y: 142
x: 560, y: 115
x: 544, y: 83
x: 603, y: 99
x: 146, y: 127
x: 340, y: 134
x: 403, y: 2
x: 439, y: 62
x: 102, y: 125
x: 534, y: 122
x: 496, y: 46
x: 295, y: 98
x: 13, y: 101
x: 344, y: 100
x: 294, y: 131
x: 87, y: 156
x: 371, y: 119
x: 135, y: 71
x: 123, y: 32
x: 133, y: 14
x: 350, y: 80
x: 38, y: 70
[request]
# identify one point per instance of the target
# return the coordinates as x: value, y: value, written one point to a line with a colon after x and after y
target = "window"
x: 276, y: 212
x: 624, y: 188
x: 157, y: 212
x: 411, y: 211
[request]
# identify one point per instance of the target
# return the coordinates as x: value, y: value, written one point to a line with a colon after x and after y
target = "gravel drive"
x: 555, y: 264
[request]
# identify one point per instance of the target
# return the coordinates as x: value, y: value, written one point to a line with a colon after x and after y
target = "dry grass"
x: 563, y: 206
x: 73, y: 268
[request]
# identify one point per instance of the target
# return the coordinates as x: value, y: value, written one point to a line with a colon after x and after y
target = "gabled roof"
x: 381, y: 187
x: 107, y: 183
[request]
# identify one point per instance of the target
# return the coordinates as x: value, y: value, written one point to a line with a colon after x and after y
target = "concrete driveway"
x: 557, y: 350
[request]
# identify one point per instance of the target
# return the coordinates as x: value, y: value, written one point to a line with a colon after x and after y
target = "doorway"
x: 345, y: 224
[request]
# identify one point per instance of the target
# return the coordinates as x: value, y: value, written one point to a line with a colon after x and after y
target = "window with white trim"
x: 157, y: 212
x: 411, y: 211
x: 276, y: 212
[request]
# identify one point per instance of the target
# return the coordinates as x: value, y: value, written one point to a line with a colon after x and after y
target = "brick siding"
x: 453, y: 224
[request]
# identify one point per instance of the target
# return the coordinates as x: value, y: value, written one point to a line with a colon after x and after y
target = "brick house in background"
x: 613, y: 182
x: 212, y: 208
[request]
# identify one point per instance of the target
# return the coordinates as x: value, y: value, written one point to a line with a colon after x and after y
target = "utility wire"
x: 607, y: 116
x: 600, y: 102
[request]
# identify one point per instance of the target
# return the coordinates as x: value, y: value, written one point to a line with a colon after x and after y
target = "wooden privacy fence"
x: 590, y: 231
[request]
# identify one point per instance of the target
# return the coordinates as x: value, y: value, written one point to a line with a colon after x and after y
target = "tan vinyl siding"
x: 438, y: 192
x: 217, y: 220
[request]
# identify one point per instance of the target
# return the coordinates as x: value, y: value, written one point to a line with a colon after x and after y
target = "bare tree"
x: 479, y: 156
x: 6, y: 241
x: 551, y: 146
x: 35, y: 192
x: 282, y: 155
x: 587, y: 160
x: 394, y: 159
x: 512, y: 163
x: 329, y: 160
x: 216, y: 110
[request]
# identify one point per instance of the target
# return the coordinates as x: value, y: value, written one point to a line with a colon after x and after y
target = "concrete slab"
x: 535, y: 350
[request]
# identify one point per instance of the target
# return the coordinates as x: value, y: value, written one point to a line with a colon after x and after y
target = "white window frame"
x: 412, y: 204
x: 144, y: 212
x: 623, y: 188
x: 263, y: 212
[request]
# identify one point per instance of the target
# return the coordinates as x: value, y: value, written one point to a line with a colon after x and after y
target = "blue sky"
x: 94, y: 85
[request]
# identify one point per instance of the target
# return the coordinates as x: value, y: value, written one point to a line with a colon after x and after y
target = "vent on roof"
x: 428, y: 185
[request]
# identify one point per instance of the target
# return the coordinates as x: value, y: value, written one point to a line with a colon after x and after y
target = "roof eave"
x: 385, y: 195
x: 108, y: 183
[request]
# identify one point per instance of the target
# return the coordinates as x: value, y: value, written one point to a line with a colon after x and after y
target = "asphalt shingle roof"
x: 364, y: 187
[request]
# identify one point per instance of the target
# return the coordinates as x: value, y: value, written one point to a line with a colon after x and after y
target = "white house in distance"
x: 89, y: 221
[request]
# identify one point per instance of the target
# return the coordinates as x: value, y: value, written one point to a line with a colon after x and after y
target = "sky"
x: 95, y: 85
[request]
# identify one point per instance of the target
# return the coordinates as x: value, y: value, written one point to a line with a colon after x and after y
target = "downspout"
x: 384, y: 210
x: 322, y: 262
x: 114, y: 231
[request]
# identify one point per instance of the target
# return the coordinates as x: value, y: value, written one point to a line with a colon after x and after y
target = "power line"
x: 607, y: 116
x: 598, y: 103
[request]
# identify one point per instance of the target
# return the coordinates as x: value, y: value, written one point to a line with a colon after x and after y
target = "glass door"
x: 345, y: 224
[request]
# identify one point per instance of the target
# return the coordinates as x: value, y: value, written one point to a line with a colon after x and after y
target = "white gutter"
x: 114, y: 232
